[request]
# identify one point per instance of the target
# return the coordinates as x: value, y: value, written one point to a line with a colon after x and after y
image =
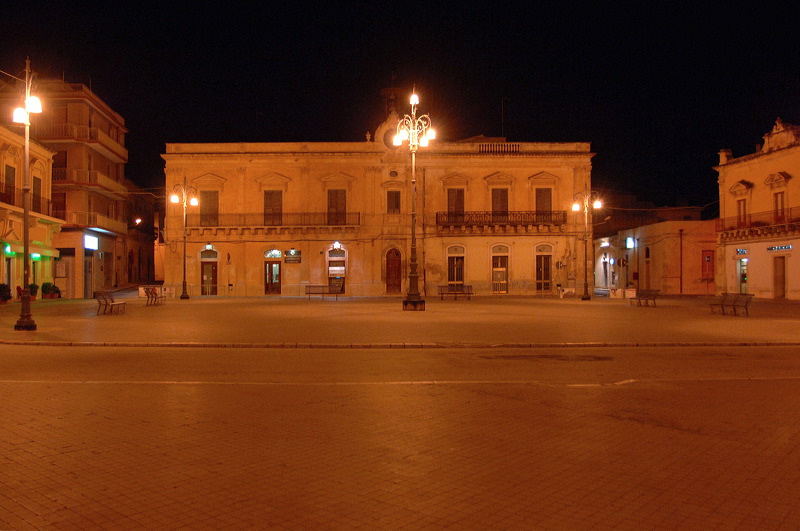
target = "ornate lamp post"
x: 582, y: 200
x: 185, y: 194
x: 417, y: 131
x: 22, y: 115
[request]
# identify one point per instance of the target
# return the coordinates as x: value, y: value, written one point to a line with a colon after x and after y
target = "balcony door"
x: 337, y: 207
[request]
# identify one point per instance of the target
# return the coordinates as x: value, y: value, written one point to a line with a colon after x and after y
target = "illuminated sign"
x: 629, y: 243
x: 292, y: 256
x: 90, y: 242
x: 741, y: 251
x: 780, y: 248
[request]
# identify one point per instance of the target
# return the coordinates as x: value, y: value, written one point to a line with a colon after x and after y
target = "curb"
x: 392, y: 346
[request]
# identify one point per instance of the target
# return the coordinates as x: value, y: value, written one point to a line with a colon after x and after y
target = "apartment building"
x: 43, y: 225
x: 90, y: 191
x: 758, y: 231
x: 275, y: 217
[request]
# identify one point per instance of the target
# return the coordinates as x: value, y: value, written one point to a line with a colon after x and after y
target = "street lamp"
x: 582, y: 200
x: 417, y: 131
x: 22, y: 115
x: 183, y: 193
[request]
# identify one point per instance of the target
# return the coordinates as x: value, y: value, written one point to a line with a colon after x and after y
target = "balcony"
x: 500, y: 222
x: 13, y: 197
x: 95, y: 179
x: 92, y: 220
x: 98, y: 139
x: 266, y: 223
x: 759, y: 225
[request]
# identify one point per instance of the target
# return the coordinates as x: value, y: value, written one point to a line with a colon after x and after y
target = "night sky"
x: 658, y: 91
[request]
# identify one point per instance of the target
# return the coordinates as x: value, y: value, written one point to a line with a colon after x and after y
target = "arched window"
x: 455, y: 265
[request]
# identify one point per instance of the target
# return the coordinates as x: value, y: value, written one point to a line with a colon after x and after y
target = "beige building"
x: 43, y: 225
x: 759, y: 227
x: 100, y: 245
x: 276, y: 217
x: 674, y: 257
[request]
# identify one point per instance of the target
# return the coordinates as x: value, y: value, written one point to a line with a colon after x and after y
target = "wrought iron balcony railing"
x: 13, y: 196
x: 547, y: 217
x: 292, y: 219
x: 759, y: 219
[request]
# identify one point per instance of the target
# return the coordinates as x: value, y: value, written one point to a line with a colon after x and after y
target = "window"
x: 393, y: 202
x: 209, y: 208
x: 780, y: 207
x: 455, y: 200
x: 741, y: 213
x: 36, y: 196
x: 455, y: 265
x: 273, y: 207
x: 544, y: 199
x: 544, y: 205
x: 499, y: 205
x: 8, y: 184
x: 337, y: 207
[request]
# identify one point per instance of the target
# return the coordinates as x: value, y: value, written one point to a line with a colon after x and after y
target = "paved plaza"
x: 517, y: 413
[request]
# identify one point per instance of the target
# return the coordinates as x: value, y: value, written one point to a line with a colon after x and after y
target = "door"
x: 88, y: 276
x: 743, y: 275
x: 209, y: 271
x: 272, y: 278
x: 779, y: 275
x: 393, y: 272
x: 499, y: 274
x: 544, y: 272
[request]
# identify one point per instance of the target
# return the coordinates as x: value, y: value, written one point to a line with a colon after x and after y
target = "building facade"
x: 100, y: 245
x: 758, y: 231
x: 43, y: 225
x: 275, y: 217
x: 674, y: 257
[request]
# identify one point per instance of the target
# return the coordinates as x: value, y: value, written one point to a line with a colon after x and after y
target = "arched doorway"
x: 272, y: 272
x: 394, y: 279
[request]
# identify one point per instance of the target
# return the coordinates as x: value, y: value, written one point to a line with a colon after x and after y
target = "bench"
x: 645, y: 296
x: 322, y: 289
x: 722, y: 301
x: 107, y: 304
x: 153, y: 297
x: 740, y: 303
x: 455, y: 290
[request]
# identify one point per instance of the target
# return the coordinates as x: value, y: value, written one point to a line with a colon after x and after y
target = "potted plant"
x: 34, y: 289
x: 47, y: 290
x: 56, y: 292
x: 5, y: 293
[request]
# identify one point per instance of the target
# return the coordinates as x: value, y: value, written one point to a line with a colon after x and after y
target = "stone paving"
x: 285, y: 426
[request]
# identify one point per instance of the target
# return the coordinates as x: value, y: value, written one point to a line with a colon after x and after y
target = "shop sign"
x: 780, y: 248
x: 292, y: 256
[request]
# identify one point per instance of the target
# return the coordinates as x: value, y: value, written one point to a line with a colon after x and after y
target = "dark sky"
x: 656, y: 90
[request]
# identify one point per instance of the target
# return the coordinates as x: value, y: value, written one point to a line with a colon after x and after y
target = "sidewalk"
x: 265, y: 322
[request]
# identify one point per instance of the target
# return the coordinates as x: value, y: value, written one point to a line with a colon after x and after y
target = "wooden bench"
x: 455, y: 290
x: 645, y: 296
x: 107, y: 304
x: 322, y: 289
x: 740, y: 303
x: 722, y: 301
x: 153, y: 297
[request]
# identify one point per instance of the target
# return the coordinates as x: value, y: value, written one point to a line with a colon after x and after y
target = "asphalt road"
x: 549, y: 438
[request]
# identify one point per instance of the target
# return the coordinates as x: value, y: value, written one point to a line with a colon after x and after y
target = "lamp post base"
x: 25, y: 325
x: 414, y: 305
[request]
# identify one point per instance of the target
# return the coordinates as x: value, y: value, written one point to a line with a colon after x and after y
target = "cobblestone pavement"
x: 696, y: 436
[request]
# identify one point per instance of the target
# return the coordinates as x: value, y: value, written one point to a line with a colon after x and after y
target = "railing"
x: 296, y: 219
x: 497, y: 148
x: 95, y: 177
x: 13, y: 197
x: 92, y: 219
x: 759, y: 219
x: 548, y: 217
x: 79, y: 132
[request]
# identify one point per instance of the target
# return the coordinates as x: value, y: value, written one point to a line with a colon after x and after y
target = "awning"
x: 34, y: 249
